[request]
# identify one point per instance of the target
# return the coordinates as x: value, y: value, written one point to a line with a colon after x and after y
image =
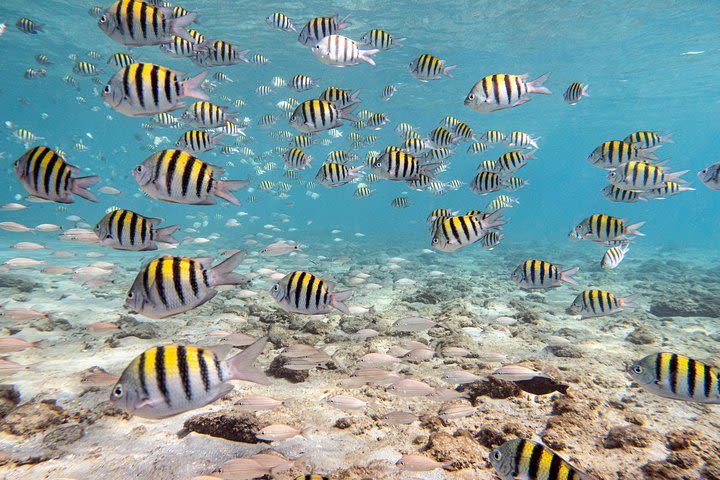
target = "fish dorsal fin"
x: 154, y: 221
x: 220, y: 350
x: 206, y: 262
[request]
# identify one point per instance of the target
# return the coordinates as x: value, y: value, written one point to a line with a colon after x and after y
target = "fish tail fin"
x: 343, y: 23
x: 164, y: 235
x: 666, y: 138
x: 80, y: 187
x: 225, y: 188
x: 215, y: 139
x: 647, y: 153
x: 584, y: 92
x: 399, y: 42
x: 675, y: 177
x: 337, y: 300
x: 446, y: 70
x: 628, y: 302
x: 191, y: 86
x: 177, y: 26
x: 633, y: 229
x: 536, y: 86
x: 347, y: 114
x: 354, y: 97
x: 222, y: 273
x: 494, y: 220
x: 241, y: 56
x: 365, y: 55
x: 241, y: 365
x: 566, y: 276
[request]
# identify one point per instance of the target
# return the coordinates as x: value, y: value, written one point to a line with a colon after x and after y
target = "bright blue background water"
x: 632, y: 55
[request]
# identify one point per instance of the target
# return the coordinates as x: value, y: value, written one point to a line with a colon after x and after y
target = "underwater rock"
x: 18, y: 283
x: 677, y: 440
x: 130, y: 327
x: 63, y: 435
x: 375, y: 469
x: 630, y: 435
x: 686, y: 306
x: 490, y: 387
x: 228, y: 424
x: 459, y: 450
x: 9, y: 399
x: 277, y: 370
x: 34, y: 417
x: 343, y: 423
x: 565, y: 351
x: 642, y: 335
x: 661, y: 470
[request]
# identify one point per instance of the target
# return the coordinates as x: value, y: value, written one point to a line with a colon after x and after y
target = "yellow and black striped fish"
x: 520, y: 459
x: 401, y: 202
x: 177, y: 176
x: 300, y: 83
x: 491, y: 240
x: 398, y: 165
x: 493, y: 137
x: 86, y: 69
x: 218, y: 53
x: 520, y: 141
x: 388, y: 91
x: 575, y: 92
x: 615, y: 153
x: 296, y: 159
x: 363, y: 192
x: 321, y: 27
x: 196, y: 36
x: 281, y: 22
x: 170, y: 285
x: 679, y: 377
x: 613, y: 256
x: 313, y: 476
x: 337, y: 174
x: 207, y: 115
x: 26, y: 25
x: 645, y: 139
x: 603, y: 228
x: 44, y: 174
x: 428, y: 67
x: 668, y: 189
x: 539, y: 274
x: 502, y: 201
x: 500, y: 91
x: 198, y: 141
x: 617, y: 194
x: 453, y: 233
x: 172, y: 379
x: 341, y: 156
x: 414, y: 146
x: 440, y: 212
x: 120, y: 60
x: 442, y: 137
x: 146, y: 89
x: 381, y: 39
x: 135, y: 23
x: 43, y: 60
x: 341, y: 98
x: 317, y: 115
x: 486, y: 182
x: 599, y: 303
x: 179, y: 47
x: 642, y: 176
x: 303, y: 292
x: 513, y: 183
x: 377, y: 121
x: 126, y: 230
x: 463, y: 131
x: 511, y: 162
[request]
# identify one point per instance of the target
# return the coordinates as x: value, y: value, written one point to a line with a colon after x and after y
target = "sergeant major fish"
x: 146, y: 89
x: 679, y: 377
x: 340, y: 51
x: 539, y: 274
x: 127, y: 230
x: 172, y: 379
x: 321, y: 27
x: 317, y: 115
x: 135, y: 23
x: 520, y: 459
x: 45, y: 175
x: 599, y: 303
x: 500, y: 91
x: 303, y: 292
x: 176, y: 176
x: 170, y: 285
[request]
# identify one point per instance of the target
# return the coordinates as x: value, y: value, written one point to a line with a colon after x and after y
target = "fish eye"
x: 276, y: 287
x: 435, y: 241
x: 130, y: 294
x: 138, y: 168
x: 103, y: 19
x: 637, y: 369
x: 118, y: 391
x: 497, y: 455
x: 471, y: 96
x: 107, y: 89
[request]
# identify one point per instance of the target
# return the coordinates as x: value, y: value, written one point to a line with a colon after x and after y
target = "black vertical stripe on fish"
x: 289, y: 285
x: 463, y: 225
x: 496, y: 88
x: 121, y: 225
x: 172, y: 163
x: 160, y: 374
x: 218, y: 367
x: 534, y: 462
x: 158, y: 166
x: 554, y: 470
x: 200, y: 179
x: 63, y: 173
x: 708, y: 381
x: 155, y: 84
x: 143, y: 231
x: 205, y: 277
x: 141, y: 375
x: 194, y: 281
x: 298, y: 288
x: 204, y: 373
x: 673, y: 368
x: 146, y: 279
x: 129, y: 15
x: 658, y: 367
x: 309, y: 291
x: 49, y: 171
x: 691, y: 376
x: 168, y: 87
x: 143, y: 19
x: 118, y: 18
x: 184, y: 371
x: 139, y: 85
x: 319, y: 293
x: 155, y: 23
x: 210, y: 183
x: 508, y: 87
x: 518, y: 457
x: 533, y: 268
x: 159, y: 281
x: 453, y: 228
x: 177, y: 279
x: 186, y: 174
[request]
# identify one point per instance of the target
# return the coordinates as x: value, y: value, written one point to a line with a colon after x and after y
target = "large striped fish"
x: 520, y: 459
x: 321, y: 27
x: 172, y: 379
x: 642, y: 176
x: 146, y: 89
x: 599, y: 303
x: 44, y: 174
x: 177, y: 176
x: 398, y: 165
x: 604, y: 228
x: 539, y: 274
x: 303, y: 292
x: 170, y: 285
x: 452, y: 233
x: 127, y: 230
x: 340, y: 51
x: 500, y: 91
x: 679, y: 377
x: 317, y: 115
x: 135, y: 23
x: 333, y: 174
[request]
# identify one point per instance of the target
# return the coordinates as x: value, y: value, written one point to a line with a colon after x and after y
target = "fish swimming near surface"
x: 168, y: 380
x: 501, y: 91
x: 170, y: 285
x: 136, y: 23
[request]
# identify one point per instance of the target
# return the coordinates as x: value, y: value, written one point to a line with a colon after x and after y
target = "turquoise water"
x: 650, y: 66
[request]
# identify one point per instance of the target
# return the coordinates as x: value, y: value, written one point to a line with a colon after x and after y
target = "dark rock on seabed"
x: 228, y: 424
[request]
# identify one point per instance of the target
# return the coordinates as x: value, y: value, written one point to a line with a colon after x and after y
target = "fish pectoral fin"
x: 146, y: 402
